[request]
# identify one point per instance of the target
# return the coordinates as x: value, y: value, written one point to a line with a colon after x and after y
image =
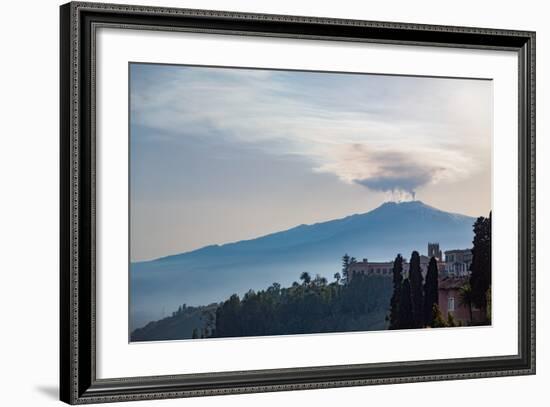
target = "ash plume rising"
x: 397, y: 173
x: 399, y: 182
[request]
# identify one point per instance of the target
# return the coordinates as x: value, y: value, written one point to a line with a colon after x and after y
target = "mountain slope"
x: 215, y: 272
x: 179, y: 325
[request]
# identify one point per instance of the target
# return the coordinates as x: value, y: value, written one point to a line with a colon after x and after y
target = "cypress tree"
x: 345, y: 265
x: 406, y: 320
x: 417, y: 296
x: 431, y: 291
x: 480, y: 277
x: 397, y: 281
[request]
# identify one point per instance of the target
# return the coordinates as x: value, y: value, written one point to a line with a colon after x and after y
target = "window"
x: 451, y: 304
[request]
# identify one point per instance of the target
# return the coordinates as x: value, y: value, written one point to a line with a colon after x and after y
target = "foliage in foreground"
x: 314, y: 306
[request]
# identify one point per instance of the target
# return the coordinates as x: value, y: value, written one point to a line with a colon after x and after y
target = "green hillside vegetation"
x: 185, y: 323
x: 312, y: 306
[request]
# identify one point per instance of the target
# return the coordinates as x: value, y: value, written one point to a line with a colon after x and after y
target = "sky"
x: 220, y: 155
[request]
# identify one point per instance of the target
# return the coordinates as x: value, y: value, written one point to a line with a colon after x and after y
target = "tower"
x: 434, y: 251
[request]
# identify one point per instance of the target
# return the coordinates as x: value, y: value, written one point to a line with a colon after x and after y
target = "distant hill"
x: 213, y: 273
x: 179, y: 325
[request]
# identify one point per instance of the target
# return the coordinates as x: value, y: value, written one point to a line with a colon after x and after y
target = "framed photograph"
x: 255, y: 203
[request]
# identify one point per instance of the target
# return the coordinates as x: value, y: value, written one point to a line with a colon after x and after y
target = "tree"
x: 228, y: 322
x: 450, y: 320
x: 195, y: 334
x: 431, y: 291
x: 275, y: 287
x: 417, y: 297
x: 397, y: 280
x: 345, y: 265
x: 319, y: 281
x: 210, y: 322
x: 480, y: 277
x: 437, y: 318
x: 337, y: 277
x: 306, y: 278
x: 406, y: 319
x: 465, y: 299
x: 313, y: 308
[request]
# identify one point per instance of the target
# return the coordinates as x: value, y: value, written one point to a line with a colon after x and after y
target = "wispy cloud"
x: 390, y: 134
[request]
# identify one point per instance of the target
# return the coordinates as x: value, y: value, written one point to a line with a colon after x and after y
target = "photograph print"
x: 284, y: 202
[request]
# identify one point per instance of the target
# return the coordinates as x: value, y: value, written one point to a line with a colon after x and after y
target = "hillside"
x: 179, y: 325
x: 213, y: 273
x: 315, y: 306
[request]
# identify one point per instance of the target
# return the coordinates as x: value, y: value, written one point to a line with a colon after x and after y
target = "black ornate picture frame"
x: 78, y: 381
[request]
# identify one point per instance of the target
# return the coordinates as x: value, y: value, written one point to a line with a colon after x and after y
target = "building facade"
x: 458, y: 262
x: 369, y: 268
x: 450, y: 301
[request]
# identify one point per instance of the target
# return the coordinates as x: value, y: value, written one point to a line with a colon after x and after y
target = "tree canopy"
x: 431, y: 291
x: 397, y: 281
x: 312, y: 307
x: 480, y: 277
x: 417, y: 295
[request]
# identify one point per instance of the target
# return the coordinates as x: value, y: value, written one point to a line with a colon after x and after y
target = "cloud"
x: 399, y: 172
x: 389, y: 134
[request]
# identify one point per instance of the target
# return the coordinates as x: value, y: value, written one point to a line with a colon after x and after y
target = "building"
x: 434, y: 251
x: 368, y: 268
x: 458, y: 262
x: 449, y: 301
x: 453, y: 274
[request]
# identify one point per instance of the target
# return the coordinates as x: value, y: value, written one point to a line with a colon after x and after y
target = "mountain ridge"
x: 417, y: 204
